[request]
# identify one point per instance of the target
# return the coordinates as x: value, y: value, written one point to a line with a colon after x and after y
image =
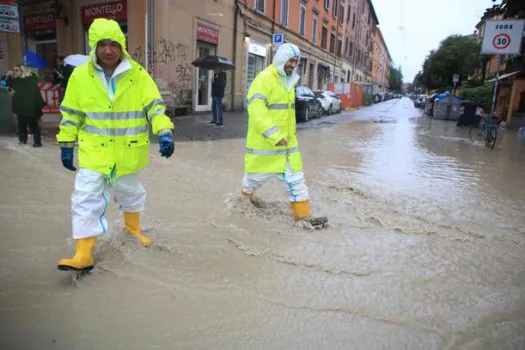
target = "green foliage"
x: 507, y: 8
x: 472, y: 83
x: 396, y: 79
x: 482, y: 95
x: 456, y: 54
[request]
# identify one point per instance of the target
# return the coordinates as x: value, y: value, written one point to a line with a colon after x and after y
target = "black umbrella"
x: 212, y: 62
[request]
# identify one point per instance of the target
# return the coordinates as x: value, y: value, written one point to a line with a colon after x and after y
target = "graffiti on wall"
x: 172, y: 67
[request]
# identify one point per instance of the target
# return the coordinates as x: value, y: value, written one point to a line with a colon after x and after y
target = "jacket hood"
x: 284, y: 53
x: 102, y: 29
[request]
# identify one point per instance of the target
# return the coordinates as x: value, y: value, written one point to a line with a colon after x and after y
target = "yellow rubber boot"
x: 132, y: 222
x: 83, y: 259
x: 301, y: 210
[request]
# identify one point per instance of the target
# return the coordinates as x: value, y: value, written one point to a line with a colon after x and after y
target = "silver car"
x: 329, y: 100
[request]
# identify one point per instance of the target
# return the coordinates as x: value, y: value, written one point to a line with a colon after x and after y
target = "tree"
x: 456, y: 54
x: 396, y: 79
x: 507, y: 8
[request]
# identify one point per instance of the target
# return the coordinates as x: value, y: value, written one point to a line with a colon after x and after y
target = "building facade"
x: 336, y: 38
x: 381, y: 63
x: 360, y: 28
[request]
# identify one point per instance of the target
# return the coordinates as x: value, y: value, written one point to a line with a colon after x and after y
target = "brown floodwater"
x: 425, y: 247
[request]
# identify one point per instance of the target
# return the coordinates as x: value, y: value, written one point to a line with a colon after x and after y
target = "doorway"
x: 46, y: 49
x: 204, y: 79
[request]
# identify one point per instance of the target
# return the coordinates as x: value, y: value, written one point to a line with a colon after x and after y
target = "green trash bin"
x: 7, y: 125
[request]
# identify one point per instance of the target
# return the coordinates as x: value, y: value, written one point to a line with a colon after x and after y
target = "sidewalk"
x: 196, y: 128
x: 187, y: 128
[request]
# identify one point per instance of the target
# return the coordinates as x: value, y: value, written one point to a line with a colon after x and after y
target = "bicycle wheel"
x: 491, y: 139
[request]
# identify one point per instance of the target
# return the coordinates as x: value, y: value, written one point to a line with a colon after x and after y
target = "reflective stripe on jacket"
x: 112, y: 133
x: 271, y: 117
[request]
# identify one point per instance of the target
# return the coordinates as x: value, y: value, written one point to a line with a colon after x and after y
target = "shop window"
x: 324, y: 35
x: 284, y: 13
x: 302, y: 20
x: 314, y: 29
x: 332, y: 42
x: 259, y: 5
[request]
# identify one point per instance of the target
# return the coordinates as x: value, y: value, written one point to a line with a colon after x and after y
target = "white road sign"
x: 502, y: 37
x: 9, y: 25
x: 9, y: 11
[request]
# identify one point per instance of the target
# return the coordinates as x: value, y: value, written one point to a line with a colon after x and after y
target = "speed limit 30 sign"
x: 502, y: 37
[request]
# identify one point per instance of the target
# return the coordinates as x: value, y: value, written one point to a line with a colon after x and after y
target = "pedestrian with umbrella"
x: 217, y: 94
x: 218, y: 65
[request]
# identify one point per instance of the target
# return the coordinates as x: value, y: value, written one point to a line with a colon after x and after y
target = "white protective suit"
x: 294, y: 182
x: 91, y: 197
x: 92, y: 191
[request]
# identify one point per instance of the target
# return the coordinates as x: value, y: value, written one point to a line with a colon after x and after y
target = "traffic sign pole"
x: 494, y: 93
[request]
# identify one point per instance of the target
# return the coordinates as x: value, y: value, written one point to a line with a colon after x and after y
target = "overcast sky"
x: 412, y: 28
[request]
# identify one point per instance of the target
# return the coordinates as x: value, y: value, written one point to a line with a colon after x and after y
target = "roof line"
x: 384, y: 43
x: 371, y: 5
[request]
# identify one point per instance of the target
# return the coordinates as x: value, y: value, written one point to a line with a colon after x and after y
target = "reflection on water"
x: 425, y: 248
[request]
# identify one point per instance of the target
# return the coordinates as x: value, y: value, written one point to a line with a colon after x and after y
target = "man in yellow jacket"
x: 108, y: 107
x: 272, y: 149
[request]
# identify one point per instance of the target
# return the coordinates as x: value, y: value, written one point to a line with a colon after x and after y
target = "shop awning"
x: 504, y: 76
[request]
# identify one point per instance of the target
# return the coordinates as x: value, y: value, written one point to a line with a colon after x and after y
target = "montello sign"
x: 115, y: 10
x: 207, y: 33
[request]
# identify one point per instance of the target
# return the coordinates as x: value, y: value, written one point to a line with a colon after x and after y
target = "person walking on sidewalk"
x: 272, y: 149
x: 27, y: 104
x: 217, y: 94
x: 109, y: 104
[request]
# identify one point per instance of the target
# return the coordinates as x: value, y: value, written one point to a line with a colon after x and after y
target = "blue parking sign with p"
x: 278, y: 38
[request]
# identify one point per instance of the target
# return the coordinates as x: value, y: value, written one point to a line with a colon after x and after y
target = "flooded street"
x: 425, y: 248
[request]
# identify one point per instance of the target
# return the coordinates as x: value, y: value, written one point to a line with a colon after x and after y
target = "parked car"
x: 306, y: 105
x: 420, y: 101
x: 330, y: 102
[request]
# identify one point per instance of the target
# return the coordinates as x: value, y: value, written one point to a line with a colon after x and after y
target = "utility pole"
x: 338, y: 8
x: 23, y: 37
x: 358, y: 35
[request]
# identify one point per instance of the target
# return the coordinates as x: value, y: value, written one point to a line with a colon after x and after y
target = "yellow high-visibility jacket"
x: 112, y: 133
x: 271, y: 117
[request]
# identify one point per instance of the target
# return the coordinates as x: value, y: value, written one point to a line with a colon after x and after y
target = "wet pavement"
x: 425, y: 247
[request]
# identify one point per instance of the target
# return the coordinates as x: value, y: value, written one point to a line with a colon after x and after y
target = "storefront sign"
x: 256, y: 49
x: 4, y: 53
x: 207, y: 33
x: 9, y: 11
x: 39, y: 22
x: 115, y: 10
x: 9, y: 25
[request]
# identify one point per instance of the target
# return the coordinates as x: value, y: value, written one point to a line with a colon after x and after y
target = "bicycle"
x: 487, y: 128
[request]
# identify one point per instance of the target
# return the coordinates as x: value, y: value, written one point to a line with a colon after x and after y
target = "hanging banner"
x: 9, y: 25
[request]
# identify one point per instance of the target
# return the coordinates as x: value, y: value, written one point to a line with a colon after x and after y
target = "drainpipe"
x: 146, y: 52
x: 273, y: 29
x: 234, y: 53
x: 152, y: 41
x: 337, y: 39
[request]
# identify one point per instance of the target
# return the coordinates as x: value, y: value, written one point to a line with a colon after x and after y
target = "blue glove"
x: 67, y: 158
x: 167, y: 144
